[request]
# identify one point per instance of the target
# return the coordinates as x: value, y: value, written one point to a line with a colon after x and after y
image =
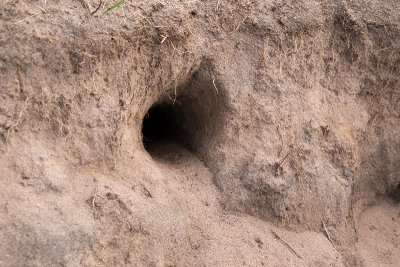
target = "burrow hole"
x: 188, y: 119
x: 394, y: 192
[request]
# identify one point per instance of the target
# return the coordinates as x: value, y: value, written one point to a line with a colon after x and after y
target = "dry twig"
x: 97, y: 9
x: 213, y: 81
x: 280, y: 138
x: 283, y: 160
x: 147, y: 192
x: 286, y: 244
x: 327, y: 234
x: 19, y: 21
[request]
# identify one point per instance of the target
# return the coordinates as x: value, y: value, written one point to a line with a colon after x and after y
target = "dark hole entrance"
x: 394, y: 192
x: 190, y: 120
x: 169, y: 126
x: 158, y: 126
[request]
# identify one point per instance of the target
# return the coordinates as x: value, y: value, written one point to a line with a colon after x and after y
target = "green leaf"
x: 114, y: 6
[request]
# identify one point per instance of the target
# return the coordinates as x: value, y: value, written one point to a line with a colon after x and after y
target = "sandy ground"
x: 190, y: 211
x: 228, y: 239
x: 378, y: 229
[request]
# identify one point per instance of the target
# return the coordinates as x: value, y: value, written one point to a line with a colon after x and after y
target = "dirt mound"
x: 205, y: 133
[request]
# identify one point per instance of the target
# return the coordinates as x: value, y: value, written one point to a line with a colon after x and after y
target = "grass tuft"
x: 114, y: 6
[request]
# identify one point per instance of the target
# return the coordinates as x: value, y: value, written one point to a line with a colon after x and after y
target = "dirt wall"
x: 293, y: 106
